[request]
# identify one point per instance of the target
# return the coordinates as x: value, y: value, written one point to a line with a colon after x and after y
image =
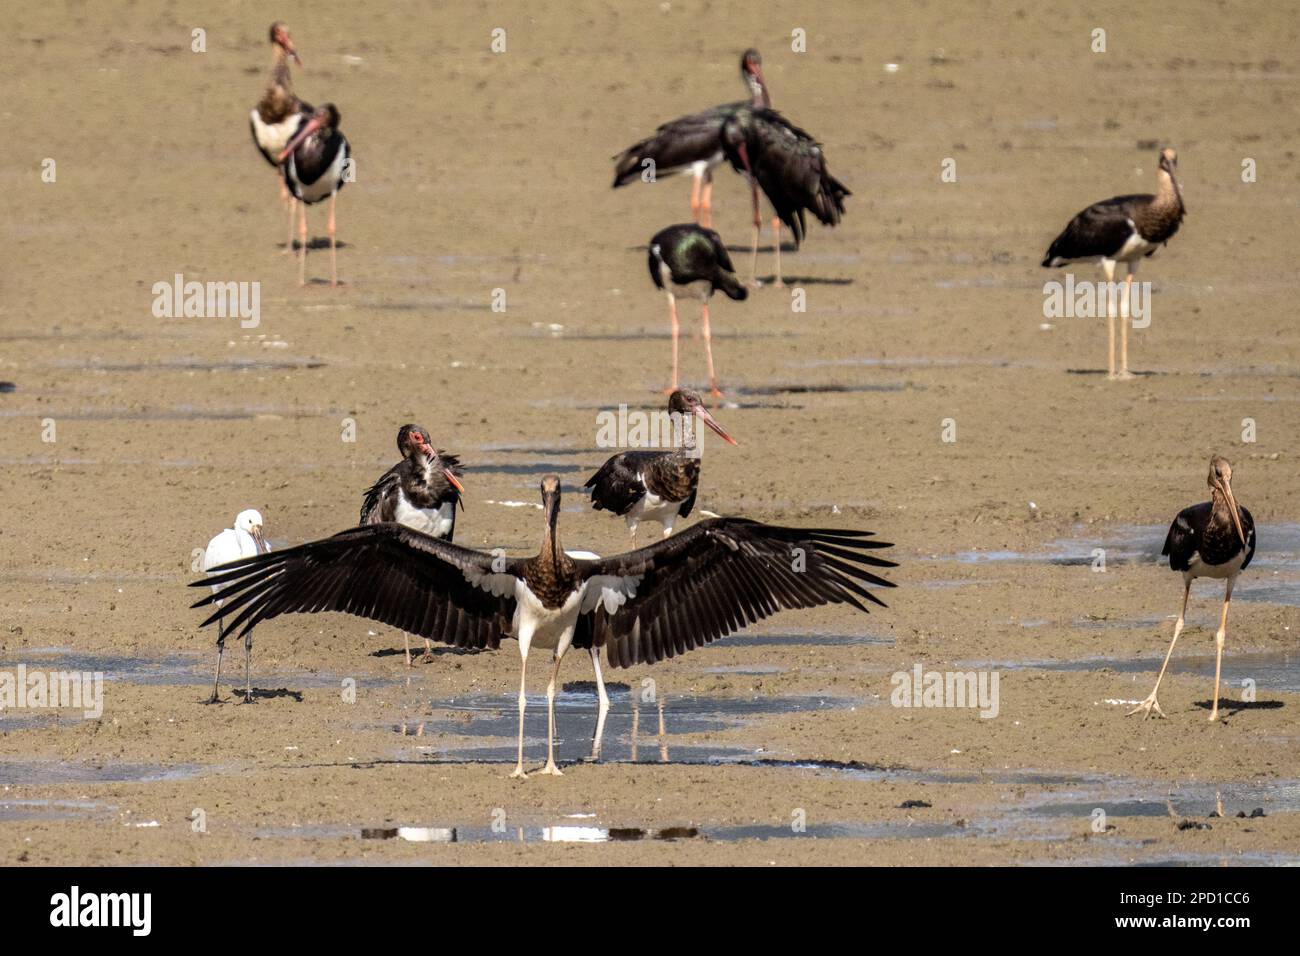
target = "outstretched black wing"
x: 385, y: 572
x: 717, y: 577
x: 675, y: 145
x: 371, y: 510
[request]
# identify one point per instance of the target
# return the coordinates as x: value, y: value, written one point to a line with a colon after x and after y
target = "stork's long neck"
x: 758, y: 96
x: 551, y: 546
x: 281, y: 76
x: 1169, y: 195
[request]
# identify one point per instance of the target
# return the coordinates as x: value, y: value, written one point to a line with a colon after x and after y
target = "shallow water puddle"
x: 33, y: 773
x: 22, y: 811
x: 636, y: 730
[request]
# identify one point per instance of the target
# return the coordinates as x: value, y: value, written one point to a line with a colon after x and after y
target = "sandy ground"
x: 479, y: 171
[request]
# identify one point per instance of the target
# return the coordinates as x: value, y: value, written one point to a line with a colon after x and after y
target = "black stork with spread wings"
x: 643, y: 606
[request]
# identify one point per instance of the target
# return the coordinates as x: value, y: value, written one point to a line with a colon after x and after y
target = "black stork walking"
x: 689, y: 260
x: 692, y: 144
x: 316, y: 167
x: 789, y: 166
x: 1123, y: 229
x: 1215, y: 539
x: 643, y: 606
x: 421, y: 491
x: 279, y: 113
x: 658, y: 485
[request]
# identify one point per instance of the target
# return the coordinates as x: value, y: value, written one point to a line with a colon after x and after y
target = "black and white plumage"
x: 657, y: 485
x: 243, y: 540
x: 643, y: 606
x: 689, y: 260
x: 692, y: 144
x: 1123, y: 229
x: 789, y: 166
x: 316, y: 166
x: 279, y: 113
x: 422, y: 491
x: 1213, y: 539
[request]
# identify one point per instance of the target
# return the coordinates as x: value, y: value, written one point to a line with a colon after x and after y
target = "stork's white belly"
x: 274, y: 137
x: 536, y: 625
x: 1197, y: 568
x: 324, y: 187
x: 1135, y: 247
x: 650, y: 507
x: 437, y: 522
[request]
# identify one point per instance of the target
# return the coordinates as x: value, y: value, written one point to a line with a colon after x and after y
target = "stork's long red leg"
x: 302, y: 243
x: 708, y: 352
x: 1151, y: 704
x: 334, y: 272
x: 776, y: 241
x: 1220, y: 638
x: 292, y: 204
x: 706, y: 202
x: 672, y: 314
x: 695, y: 197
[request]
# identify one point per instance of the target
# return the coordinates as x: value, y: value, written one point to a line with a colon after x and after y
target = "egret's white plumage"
x: 242, y: 541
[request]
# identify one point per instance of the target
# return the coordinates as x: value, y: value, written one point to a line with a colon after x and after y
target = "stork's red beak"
x: 709, y: 420
x: 452, y: 478
x: 313, y: 124
x: 1232, y: 506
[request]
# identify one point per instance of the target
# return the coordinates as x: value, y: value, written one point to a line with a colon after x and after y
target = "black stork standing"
x: 789, y: 166
x: 658, y: 485
x: 315, y: 168
x: 693, y: 143
x: 1123, y: 229
x: 1215, y: 539
x: 279, y: 113
x: 421, y: 491
x: 689, y: 260
x: 678, y: 594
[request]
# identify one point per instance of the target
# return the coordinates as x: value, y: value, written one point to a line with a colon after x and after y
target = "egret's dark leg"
x: 248, y: 668
x: 221, y: 647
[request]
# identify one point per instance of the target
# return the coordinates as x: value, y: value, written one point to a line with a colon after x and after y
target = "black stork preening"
x: 659, y: 485
x: 421, y: 491
x: 316, y: 167
x: 678, y: 594
x: 1123, y: 229
x: 689, y: 260
x: 1215, y: 539
x: 279, y: 113
x: 789, y: 166
x: 693, y: 143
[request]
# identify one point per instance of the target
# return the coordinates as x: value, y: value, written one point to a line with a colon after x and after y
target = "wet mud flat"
x: 923, y: 305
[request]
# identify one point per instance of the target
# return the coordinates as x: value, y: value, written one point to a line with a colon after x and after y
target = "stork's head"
x: 413, y: 441
x: 1220, y: 482
x: 280, y: 38
x: 686, y: 401
x: 1169, y: 160
x: 325, y: 117
x: 413, y: 438
x: 751, y: 71
x: 250, y: 522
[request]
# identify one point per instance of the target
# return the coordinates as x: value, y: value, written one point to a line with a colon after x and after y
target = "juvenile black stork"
x: 243, y: 540
x: 1123, y: 229
x: 315, y: 167
x: 1215, y: 539
x: 658, y: 485
x: 421, y: 491
x: 689, y: 260
x: 279, y: 113
x: 643, y: 606
x: 789, y: 166
x: 693, y: 143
